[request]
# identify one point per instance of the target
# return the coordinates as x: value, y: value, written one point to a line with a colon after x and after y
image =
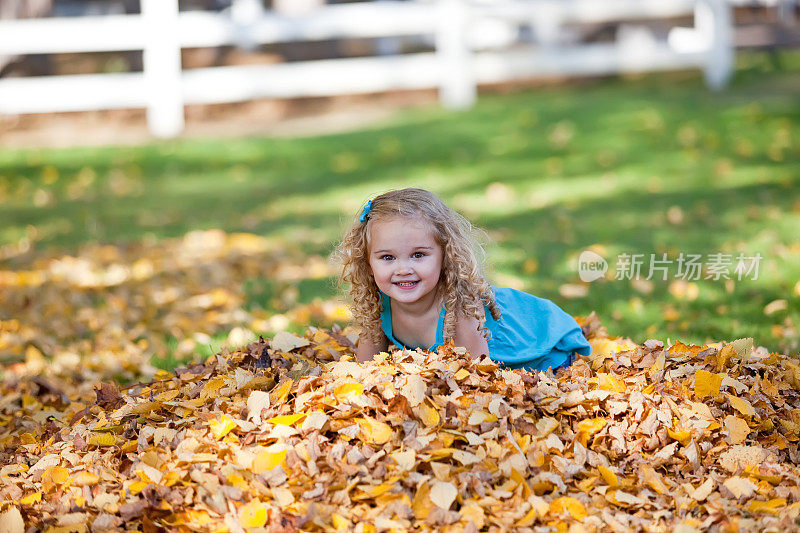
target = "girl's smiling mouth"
x: 406, y: 284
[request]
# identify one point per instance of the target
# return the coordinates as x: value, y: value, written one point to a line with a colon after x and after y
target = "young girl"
x: 415, y: 272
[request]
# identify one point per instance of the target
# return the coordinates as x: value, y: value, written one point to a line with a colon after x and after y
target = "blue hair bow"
x: 365, y: 212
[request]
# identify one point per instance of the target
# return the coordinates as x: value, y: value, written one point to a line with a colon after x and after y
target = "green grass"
x: 649, y: 165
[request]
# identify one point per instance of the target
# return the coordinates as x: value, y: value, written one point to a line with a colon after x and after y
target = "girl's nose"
x: 403, y: 267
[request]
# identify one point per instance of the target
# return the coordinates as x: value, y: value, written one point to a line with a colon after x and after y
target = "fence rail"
x: 455, y: 66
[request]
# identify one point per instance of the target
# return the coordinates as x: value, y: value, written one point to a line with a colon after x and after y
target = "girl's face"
x: 405, y: 259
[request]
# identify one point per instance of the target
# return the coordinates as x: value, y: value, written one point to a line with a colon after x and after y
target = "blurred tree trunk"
x: 21, y: 9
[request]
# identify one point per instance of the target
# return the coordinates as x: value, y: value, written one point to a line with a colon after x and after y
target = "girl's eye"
x: 387, y: 257
x: 418, y: 255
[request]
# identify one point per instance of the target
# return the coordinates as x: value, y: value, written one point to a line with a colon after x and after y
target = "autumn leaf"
x: 256, y: 403
x: 592, y: 426
x: 443, y: 494
x: 268, y: 459
x: 737, y: 429
x: 286, y: 342
x: 31, y: 498
x: 102, y: 439
x: 706, y: 384
x: 740, y: 487
x: 568, y: 505
x: 428, y: 414
x: 346, y: 390
x: 11, y: 521
x: 221, y: 426
x: 741, y: 405
x: 609, y: 476
x: 772, y: 506
x: 287, y: 420
x: 374, y: 432
x: 253, y: 514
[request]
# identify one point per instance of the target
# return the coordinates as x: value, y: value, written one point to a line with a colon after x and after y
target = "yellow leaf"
x: 374, y: 432
x: 528, y: 519
x: 211, y: 387
x: 137, y: 486
x: 221, y: 426
x: 428, y: 414
x: 737, y: 429
x: 706, y: 384
x: 752, y: 471
x: 253, y: 514
x: 170, y: 478
x: 235, y: 480
x: 422, y: 504
x: 610, y: 383
x: 343, y: 392
x: 85, y: 478
x: 103, y: 439
x: 479, y: 417
x: 339, y: 522
x: 681, y: 348
x: 683, y: 436
x: 658, y: 366
x: 741, y: 405
x: 77, y: 528
x: 57, y: 475
x: 31, y: 498
x: 724, y: 356
x: 609, y: 476
x: 167, y: 396
x: 602, y: 347
x: 144, y: 408
x: 566, y: 504
x: 473, y: 513
x: 279, y: 394
x: 287, y: 420
x: 198, y: 517
x: 268, y: 460
x: 591, y: 426
x: 771, y: 506
x: 461, y: 374
x: 653, y: 479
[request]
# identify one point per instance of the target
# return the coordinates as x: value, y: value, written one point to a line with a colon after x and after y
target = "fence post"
x: 712, y: 19
x: 457, y: 88
x: 162, y: 68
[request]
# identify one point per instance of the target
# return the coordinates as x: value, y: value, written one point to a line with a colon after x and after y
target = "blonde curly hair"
x: 462, y: 280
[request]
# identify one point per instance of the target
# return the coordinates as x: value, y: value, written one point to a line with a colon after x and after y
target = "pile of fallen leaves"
x: 291, y: 434
x: 103, y: 312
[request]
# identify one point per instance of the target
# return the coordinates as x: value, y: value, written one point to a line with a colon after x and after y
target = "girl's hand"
x: 367, y: 349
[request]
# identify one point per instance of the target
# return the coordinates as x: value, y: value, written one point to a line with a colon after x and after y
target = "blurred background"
x: 174, y: 174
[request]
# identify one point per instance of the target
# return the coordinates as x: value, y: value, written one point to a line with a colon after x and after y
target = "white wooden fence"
x: 456, y: 66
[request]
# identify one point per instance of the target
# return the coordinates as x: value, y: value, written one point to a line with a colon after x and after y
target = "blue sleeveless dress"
x: 532, y: 333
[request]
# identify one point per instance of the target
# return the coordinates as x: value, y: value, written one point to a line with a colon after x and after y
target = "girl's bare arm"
x: 367, y: 349
x: 468, y: 336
